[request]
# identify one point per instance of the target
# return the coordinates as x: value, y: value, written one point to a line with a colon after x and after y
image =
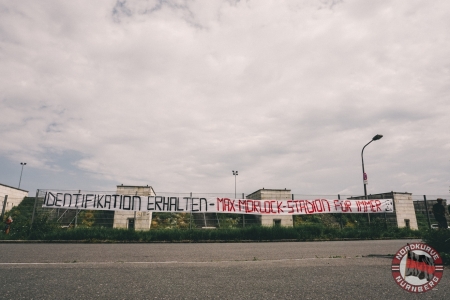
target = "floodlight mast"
x: 235, y: 173
x: 20, y: 180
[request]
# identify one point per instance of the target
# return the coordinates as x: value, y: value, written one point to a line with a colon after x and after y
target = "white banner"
x: 213, y: 204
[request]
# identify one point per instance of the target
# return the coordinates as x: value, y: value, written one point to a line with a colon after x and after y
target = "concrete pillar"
x: 273, y: 194
x: 140, y: 220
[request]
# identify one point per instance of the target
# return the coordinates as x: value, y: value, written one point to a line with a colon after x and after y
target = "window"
x: 407, y: 223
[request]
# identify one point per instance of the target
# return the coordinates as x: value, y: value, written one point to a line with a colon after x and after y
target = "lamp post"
x: 375, y: 138
x: 20, y: 180
x: 235, y: 173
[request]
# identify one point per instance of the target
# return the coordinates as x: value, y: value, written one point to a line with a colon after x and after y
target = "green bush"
x: 21, y: 215
x: 44, y: 230
x: 439, y: 240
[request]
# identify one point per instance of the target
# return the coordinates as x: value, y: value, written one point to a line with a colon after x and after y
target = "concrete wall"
x: 273, y: 194
x: 142, y: 220
x: 404, y: 210
x: 15, y: 196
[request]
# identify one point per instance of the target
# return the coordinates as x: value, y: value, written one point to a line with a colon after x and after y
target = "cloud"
x: 176, y: 94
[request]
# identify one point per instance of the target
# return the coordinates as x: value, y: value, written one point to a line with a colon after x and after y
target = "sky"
x: 177, y: 94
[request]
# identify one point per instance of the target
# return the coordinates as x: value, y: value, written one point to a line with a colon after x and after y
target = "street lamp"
x: 235, y: 173
x: 375, y: 138
x: 20, y: 180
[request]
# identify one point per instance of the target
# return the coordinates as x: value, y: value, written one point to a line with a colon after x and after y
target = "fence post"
x: 340, y: 215
x: 426, y: 209
x: 4, y: 207
x: 134, y: 218
x: 76, y: 213
x: 190, y: 215
x: 243, y: 216
x: 293, y: 216
x: 34, y: 209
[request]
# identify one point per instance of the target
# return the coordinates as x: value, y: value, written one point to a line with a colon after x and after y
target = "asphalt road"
x: 301, y: 270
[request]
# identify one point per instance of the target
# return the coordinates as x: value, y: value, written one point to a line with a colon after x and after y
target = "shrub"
x: 439, y: 240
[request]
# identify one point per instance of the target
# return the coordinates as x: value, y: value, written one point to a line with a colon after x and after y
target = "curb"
x: 192, y: 241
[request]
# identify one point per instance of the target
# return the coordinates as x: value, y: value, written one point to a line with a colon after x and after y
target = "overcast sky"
x: 177, y: 94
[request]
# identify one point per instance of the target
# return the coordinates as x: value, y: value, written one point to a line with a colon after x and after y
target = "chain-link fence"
x: 423, y: 205
x: 69, y: 218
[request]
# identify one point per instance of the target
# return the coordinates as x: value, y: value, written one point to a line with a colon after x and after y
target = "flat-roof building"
x: 15, y: 196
